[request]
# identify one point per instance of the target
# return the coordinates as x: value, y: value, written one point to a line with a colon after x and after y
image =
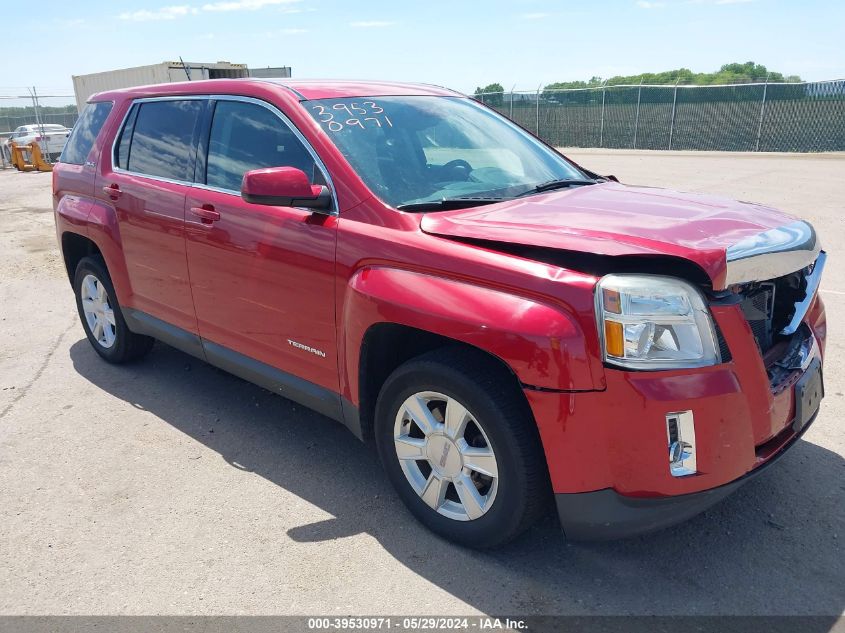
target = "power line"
x: 40, y: 96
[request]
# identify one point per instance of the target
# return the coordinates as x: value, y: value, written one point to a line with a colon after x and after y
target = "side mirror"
x: 284, y: 187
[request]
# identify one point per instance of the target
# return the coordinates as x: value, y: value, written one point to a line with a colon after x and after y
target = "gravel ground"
x: 169, y: 487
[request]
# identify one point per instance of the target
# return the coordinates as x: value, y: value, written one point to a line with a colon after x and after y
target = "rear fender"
x: 104, y: 231
x: 97, y: 222
x: 541, y: 343
x: 72, y: 214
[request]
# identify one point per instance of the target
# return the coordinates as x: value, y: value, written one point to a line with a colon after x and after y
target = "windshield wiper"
x: 448, y: 203
x: 559, y: 183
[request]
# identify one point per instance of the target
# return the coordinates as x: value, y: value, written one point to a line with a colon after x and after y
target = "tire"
x: 110, y: 338
x: 499, y: 421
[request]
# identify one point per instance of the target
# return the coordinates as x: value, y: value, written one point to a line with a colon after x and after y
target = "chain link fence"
x: 765, y: 117
x: 8, y: 123
x: 31, y: 107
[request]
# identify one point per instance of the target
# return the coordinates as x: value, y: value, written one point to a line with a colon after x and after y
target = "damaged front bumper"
x: 605, y: 515
x: 623, y: 461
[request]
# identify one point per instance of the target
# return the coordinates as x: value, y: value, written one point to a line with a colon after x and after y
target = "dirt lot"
x: 169, y: 487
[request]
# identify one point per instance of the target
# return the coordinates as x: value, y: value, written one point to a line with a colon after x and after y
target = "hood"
x: 614, y: 220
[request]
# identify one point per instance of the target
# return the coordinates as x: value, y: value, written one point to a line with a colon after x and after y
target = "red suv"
x: 507, y: 326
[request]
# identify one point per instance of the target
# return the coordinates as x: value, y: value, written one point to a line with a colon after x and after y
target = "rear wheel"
x: 101, y: 316
x: 459, y: 444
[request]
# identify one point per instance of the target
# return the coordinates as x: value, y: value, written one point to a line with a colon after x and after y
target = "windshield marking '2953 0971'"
x: 416, y: 151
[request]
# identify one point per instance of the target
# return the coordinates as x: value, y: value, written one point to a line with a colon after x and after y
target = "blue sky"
x: 456, y: 43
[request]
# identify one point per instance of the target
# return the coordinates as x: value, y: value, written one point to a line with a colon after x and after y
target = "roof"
x: 304, y: 89
x: 337, y: 88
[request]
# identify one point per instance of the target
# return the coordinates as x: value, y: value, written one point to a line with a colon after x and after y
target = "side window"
x: 124, y: 143
x: 246, y: 136
x: 162, y: 140
x: 85, y: 133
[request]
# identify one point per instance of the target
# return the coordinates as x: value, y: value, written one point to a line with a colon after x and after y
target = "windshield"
x: 411, y: 150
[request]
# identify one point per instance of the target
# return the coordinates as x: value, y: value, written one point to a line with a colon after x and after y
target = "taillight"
x: 38, y: 139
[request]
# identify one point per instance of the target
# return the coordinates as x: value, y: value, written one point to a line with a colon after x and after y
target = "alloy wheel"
x: 98, y: 311
x: 446, y: 455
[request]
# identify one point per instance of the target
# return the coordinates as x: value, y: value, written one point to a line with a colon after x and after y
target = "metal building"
x: 165, y: 72
x: 280, y: 72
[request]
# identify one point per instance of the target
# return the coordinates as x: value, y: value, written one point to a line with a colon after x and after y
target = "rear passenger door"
x: 151, y: 172
x: 262, y: 277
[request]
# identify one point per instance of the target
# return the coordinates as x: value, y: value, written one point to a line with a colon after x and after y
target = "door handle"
x: 206, y: 213
x: 112, y: 191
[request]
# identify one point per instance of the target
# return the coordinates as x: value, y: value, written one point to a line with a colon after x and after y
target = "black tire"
x: 127, y: 345
x: 492, y: 396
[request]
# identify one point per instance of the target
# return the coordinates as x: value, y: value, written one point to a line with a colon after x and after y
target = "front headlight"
x: 654, y: 322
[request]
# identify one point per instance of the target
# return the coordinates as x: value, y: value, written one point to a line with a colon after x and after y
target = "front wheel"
x: 459, y: 444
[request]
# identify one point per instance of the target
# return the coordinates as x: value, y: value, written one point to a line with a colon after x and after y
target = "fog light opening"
x: 680, y: 432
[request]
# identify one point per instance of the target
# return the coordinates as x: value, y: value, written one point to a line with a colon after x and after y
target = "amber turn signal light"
x: 611, y: 300
x: 613, y: 339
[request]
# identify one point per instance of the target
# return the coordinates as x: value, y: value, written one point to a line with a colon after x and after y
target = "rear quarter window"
x: 85, y: 133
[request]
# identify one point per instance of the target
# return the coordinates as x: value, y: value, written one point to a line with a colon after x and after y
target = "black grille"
x: 724, y: 350
x: 758, y: 308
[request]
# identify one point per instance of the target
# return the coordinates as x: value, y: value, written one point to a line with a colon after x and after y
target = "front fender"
x: 541, y: 343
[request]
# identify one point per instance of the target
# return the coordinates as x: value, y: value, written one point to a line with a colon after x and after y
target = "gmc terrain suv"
x: 507, y: 327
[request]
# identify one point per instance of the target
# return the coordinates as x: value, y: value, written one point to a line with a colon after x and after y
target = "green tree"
x: 560, y: 85
x: 728, y: 74
x: 496, y: 99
